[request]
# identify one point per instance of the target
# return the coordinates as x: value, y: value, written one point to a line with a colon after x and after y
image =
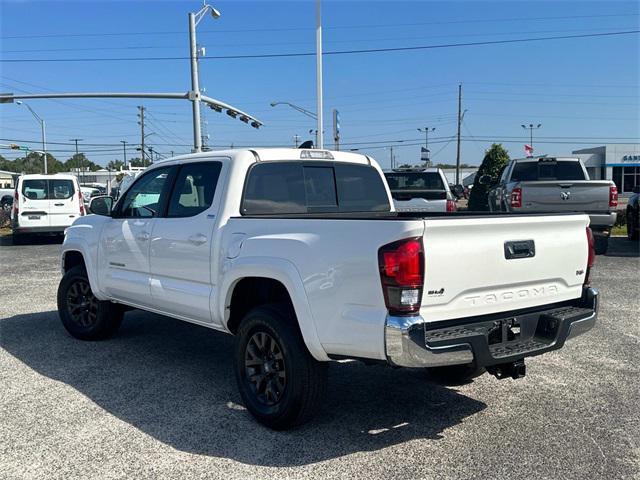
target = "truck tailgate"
x: 565, y: 196
x: 467, y: 272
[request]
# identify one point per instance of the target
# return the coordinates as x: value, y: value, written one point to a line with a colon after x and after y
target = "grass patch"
x: 619, y: 230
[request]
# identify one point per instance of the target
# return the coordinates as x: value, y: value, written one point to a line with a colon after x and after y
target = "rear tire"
x: 455, y: 374
x: 281, y: 384
x: 632, y: 226
x: 601, y: 244
x: 82, y: 314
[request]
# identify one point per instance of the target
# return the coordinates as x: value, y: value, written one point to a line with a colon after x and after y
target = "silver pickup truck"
x: 546, y: 184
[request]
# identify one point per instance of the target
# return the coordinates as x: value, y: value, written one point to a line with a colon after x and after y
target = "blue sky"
x: 584, y: 91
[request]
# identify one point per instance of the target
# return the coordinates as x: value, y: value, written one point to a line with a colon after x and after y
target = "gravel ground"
x: 159, y: 401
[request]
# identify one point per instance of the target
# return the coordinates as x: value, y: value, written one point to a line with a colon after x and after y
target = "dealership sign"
x: 631, y: 158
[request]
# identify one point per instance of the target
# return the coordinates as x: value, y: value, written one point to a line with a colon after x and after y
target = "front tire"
x: 82, y: 314
x: 281, y: 384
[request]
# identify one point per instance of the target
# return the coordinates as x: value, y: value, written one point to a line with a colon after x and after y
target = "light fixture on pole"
x: 195, y: 94
x: 426, y: 131
x: 531, y: 127
x: 43, y: 130
x: 304, y: 111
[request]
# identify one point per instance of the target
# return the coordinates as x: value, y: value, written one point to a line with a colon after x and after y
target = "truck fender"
x: 79, y: 244
x: 284, y: 272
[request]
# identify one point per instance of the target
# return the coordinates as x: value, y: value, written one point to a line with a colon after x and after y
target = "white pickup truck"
x: 299, y: 254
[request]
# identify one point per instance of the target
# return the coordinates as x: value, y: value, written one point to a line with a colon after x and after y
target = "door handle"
x: 197, y: 239
x: 59, y: 204
x: 143, y: 237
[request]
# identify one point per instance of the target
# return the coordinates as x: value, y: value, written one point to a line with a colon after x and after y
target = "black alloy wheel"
x: 82, y: 306
x: 265, y: 368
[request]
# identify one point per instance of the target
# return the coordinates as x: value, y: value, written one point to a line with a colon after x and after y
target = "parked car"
x: 549, y: 184
x: 633, y: 215
x: 300, y: 255
x: 6, y: 202
x: 421, y: 190
x: 45, y: 204
x: 88, y: 193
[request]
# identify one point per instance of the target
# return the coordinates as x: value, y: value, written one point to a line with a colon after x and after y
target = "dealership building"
x: 617, y: 162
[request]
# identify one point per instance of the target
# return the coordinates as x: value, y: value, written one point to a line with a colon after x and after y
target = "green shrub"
x: 494, y: 162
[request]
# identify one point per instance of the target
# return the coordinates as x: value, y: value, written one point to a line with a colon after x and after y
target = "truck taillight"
x: 16, y: 209
x: 81, y: 203
x: 402, y: 274
x: 613, y: 196
x: 591, y: 255
x: 451, y: 206
x: 516, y: 197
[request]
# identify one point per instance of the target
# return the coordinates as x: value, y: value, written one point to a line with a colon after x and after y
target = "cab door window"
x: 147, y: 196
x: 194, y: 189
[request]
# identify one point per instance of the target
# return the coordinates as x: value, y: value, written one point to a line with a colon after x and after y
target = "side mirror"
x: 486, y: 180
x: 636, y: 189
x: 458, y: 190
x: 101, y: 205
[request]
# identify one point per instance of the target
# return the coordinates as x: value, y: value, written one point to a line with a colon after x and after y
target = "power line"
x: 329, y: 27
x: 333, y: 52
x: 328, y: 42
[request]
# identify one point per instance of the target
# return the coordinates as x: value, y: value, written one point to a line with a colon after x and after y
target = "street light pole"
x: 124, y: 152
x: 531, y: 128
x: 320, y: 143
x: 194, y: 94
x: 426, y: 131
x: 43, y: 132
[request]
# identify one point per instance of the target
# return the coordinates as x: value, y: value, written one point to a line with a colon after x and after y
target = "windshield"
x: 547, y: 170
x: 414, y: 181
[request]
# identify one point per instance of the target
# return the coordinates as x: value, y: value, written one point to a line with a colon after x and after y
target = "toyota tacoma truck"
x: 300, y: 255
x: 549, y: 184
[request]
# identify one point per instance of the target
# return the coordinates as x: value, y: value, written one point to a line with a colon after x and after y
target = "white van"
x: 45, y: 204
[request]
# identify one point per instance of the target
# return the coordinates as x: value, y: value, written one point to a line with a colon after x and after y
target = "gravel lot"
x: 160, y: 401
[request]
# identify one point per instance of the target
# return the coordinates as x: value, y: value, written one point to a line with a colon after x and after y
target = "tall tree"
x: 495, y: 159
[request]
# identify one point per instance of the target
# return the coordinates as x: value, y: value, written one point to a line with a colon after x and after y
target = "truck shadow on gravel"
x: 175, y: 382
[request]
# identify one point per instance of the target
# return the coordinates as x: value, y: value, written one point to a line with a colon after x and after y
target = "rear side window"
x: 294, y: 187
x: 194, y: 189
x: 274, y: 188
x: 54, y: 189
x: 415, y: 181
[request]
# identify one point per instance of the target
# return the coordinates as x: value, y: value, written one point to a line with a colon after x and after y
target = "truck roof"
x: 545, y: 157
x: 282, y: 154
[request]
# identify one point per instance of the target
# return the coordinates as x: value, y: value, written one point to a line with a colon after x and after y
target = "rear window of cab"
x: 313, y: 187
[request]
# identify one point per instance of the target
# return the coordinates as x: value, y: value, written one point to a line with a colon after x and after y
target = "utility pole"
x: 78, y: 159
x: 392, y: 158
x: 319, y: 129
x: 296, y: 140
x: 459, y: 125
x: 124, y: 152
x: 141, y: 123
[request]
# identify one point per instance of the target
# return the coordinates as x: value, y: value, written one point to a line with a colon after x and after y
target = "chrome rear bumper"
x: 413, y: 342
